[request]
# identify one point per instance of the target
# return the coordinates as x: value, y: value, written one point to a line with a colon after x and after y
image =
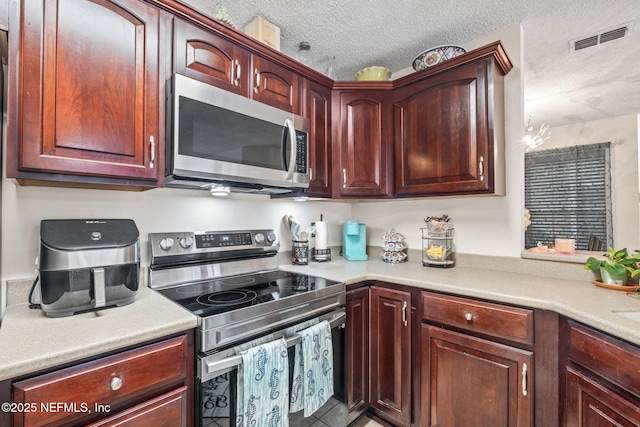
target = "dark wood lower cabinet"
x: 148, y: 385
x: 391, y: 354
x: 357, y: 351
x: 591, y: 403
x: 469, y: 381
x: 602, y: 379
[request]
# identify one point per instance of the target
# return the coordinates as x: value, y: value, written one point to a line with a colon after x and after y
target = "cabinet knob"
x: 468, y: 317
x: 115, y: 383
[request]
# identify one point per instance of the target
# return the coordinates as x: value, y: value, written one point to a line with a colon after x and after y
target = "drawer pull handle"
x: 468, y: 317
x: 404, y: 313
x: 524, y: 379
x: 481, y: 166
x: 115, y: 384
x: 344, y: 178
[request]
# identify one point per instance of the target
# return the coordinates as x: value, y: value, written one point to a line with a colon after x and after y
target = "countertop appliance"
x: 87, y: 264
x: 218, y: 139
x: 230, y: 280
x: 354, y: 241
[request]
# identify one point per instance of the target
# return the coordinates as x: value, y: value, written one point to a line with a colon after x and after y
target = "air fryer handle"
x: 99, y: 294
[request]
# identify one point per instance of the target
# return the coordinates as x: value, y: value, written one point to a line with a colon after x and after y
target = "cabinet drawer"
x: 168, y: 409
x: 610, y: 358
x: 109, y: 381
x: 511, y: 323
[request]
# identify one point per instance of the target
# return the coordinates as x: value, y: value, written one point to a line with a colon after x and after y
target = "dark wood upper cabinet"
x: 205, y: 56
x: 449, y: 131
x: 85, y: 97
x: 362, y: 146
x: 317, y: 108
x: 274, y: 85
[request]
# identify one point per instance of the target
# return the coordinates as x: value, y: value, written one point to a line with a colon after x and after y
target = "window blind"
x: 568, y: 194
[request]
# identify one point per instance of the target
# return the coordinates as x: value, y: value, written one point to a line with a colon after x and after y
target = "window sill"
x: 580, y: 257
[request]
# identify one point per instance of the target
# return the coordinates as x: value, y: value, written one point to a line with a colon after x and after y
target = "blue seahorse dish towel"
x: 312, y: 384
x: 263, y: 386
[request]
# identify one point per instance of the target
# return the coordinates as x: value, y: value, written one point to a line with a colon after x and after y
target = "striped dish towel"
x: 263, y: 386
x: 312, y: 384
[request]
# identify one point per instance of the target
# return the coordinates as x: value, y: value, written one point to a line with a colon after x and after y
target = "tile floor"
x: 332, y: 414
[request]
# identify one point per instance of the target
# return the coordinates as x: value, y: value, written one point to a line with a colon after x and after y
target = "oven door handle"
x: 216, y: 367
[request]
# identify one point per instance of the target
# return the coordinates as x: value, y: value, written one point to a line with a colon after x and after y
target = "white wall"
x: 488, y: 225
x: 623, y: 133
x: 156, y: 210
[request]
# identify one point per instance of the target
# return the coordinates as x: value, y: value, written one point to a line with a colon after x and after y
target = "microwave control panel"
x: 301, y: 151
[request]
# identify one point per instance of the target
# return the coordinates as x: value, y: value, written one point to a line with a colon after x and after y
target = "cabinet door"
x: 448, y: 133
x: 87, y: 90
x: 169, y: 409
x: 275, y: 85
x: 391, y: 353
x: 204, y: 56
x: 589, y: 403
x: 317, y: 108
x: 357, y: 350
x: 468, y: 381
x: 364, y: 155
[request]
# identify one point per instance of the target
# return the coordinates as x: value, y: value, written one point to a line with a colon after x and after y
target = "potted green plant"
x: 617, y: 266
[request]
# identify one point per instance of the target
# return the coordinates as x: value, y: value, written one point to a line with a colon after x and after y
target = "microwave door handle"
x: 292, y: 158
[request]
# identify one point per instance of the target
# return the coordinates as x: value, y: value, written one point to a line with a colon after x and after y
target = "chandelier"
x: 534, y: 140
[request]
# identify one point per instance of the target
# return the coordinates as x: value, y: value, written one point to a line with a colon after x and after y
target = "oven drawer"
x: 111, y: 382
x: 501, y: 321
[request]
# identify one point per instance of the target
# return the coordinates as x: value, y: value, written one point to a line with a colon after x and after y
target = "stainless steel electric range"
x: 230, y: 280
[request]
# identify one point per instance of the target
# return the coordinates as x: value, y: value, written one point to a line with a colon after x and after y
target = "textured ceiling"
x: 560, y: 87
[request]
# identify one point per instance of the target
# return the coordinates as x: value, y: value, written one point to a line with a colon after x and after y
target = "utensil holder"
x: 300, y: 252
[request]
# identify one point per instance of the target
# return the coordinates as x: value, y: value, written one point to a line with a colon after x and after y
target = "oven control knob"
x: 166, y: 243
x: 186, y: 242
x: 259, y: 238
x: 271, y: 237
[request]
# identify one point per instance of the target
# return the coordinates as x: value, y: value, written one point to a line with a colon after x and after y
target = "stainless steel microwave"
x: 218, y: 139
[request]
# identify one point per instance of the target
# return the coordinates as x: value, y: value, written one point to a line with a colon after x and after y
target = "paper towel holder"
x: 323, y: 253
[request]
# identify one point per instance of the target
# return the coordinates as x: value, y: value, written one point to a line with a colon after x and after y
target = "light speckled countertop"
x: 578, y: 299
x: 30, y: 341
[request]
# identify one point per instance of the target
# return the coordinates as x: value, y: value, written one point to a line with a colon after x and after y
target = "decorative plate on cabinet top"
x: 436, y: 55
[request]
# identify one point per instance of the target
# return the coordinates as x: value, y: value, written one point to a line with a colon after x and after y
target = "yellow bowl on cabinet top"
x: 374, y: 73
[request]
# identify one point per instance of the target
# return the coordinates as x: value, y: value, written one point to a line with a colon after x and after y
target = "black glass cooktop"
x: 221, y: 295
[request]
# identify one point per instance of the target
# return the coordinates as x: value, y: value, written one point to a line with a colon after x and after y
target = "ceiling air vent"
x: 601, y: 37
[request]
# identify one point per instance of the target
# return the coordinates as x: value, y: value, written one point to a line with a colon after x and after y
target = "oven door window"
x: 210, y: 132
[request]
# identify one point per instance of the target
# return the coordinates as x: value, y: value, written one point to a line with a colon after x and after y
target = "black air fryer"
x: 87, y: 264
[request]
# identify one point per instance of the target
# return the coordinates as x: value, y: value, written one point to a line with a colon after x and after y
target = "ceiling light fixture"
x: 533, y: 141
